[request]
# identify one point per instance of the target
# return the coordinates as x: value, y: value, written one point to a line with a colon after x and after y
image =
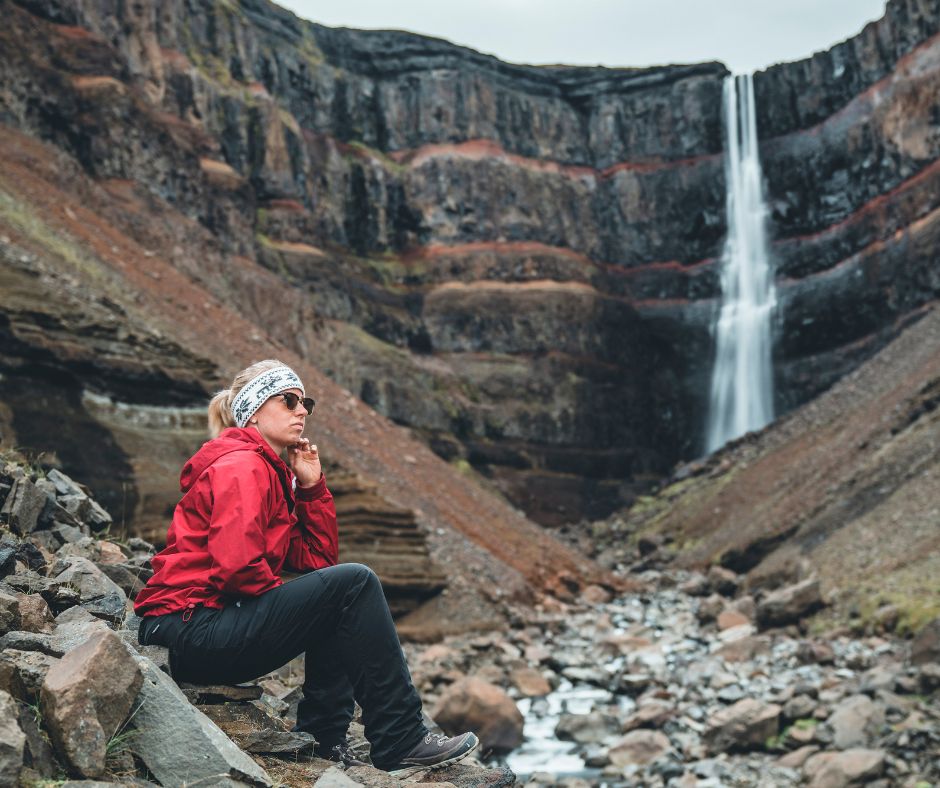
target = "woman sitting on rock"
x: 217, y: 602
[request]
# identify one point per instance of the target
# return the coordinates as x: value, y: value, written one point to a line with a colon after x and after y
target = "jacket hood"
x: 231, y: 439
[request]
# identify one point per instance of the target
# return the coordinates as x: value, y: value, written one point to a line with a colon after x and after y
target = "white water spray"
x: 742, y: 380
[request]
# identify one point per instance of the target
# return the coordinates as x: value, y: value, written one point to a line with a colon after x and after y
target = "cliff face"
x: 519, y: 263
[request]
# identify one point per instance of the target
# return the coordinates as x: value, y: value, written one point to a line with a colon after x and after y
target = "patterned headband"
x: 260, y: 389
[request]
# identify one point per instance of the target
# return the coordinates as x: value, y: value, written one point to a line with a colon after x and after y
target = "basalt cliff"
x: 517, y: 263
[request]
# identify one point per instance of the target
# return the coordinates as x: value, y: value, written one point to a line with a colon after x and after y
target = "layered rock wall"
x: 517, y: 262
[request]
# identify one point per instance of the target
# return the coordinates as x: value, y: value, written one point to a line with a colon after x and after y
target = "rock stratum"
x: 518, y: 263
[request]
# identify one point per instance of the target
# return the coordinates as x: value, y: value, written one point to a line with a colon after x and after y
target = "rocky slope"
x: 690, y: 680
x: 87, y: 305
x: 516, y: 262
x: 845, y: 487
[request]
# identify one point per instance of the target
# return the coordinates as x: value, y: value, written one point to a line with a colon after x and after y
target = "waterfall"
x: 742, y: 380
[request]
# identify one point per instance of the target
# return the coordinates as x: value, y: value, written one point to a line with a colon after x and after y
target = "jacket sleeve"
x: 241, y: 507
x: 314, y: 542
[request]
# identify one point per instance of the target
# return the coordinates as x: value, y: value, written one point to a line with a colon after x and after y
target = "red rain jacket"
x: 238, y: 524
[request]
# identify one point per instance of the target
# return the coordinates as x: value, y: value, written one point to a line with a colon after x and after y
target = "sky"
x: 746, y: 35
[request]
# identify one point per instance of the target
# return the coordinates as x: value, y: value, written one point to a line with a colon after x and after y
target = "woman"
x: 217, y: 602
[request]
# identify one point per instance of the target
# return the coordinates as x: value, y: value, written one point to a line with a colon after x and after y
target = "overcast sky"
x: 746, y: 35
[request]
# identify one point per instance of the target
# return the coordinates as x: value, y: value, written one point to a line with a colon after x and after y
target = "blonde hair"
x: 220, y: 406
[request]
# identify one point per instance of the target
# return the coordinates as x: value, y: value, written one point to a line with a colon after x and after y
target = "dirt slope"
x: 70, y: 240
x: 847, y: 486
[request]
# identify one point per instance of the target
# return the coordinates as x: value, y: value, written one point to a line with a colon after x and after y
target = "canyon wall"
x: 518, y: 263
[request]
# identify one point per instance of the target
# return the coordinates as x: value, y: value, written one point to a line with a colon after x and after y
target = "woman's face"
x: 279, y: 425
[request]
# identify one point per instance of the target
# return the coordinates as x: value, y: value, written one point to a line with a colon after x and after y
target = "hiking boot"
x: 342, y: 753
x: 436, y: 749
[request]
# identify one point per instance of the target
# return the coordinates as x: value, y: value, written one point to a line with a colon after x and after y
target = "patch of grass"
x: 26, y: 221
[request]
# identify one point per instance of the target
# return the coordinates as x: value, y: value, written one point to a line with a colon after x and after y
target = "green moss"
x: 388, y: 163
x: 27, y: 222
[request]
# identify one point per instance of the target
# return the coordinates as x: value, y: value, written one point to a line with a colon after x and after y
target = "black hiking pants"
x: 340, y: 618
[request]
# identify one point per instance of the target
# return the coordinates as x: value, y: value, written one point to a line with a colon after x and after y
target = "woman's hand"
x: 304, y: 461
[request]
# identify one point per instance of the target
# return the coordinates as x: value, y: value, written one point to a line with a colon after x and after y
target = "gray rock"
x: 29, y: 641
x: 72, y: 634
x: 77, y: 505
x: 745, y: 725
x: 855, y: 722
x: 840, y: 769
x: 7, y: 559
x: 159, y: 655
x: 22, y: 672
x: 63, y: 484
x: 65, y: 532
x: 279, y: 742
x: 799, y: 707
x: 23, y: 505
x: 9, y: 612
x: 639, y: 747
x: 179, y: 744
x: 40, y: 755
x: 334, y: 777
x: 129, y: 578
x: 12, y: 740
x: 97, y: 517
x: 97, y: 593
x: 790, y: 604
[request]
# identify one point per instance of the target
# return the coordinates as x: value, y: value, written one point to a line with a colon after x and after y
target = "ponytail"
x: 220, y: 412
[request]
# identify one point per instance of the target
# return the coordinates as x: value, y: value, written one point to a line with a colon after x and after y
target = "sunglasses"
x: 291, y: 400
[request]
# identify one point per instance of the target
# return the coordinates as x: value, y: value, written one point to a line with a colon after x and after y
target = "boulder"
x: 855, y: 721
x: 335, y: 777
x: 926, y: 645
x: 530, y: 682
x: 476, y: 705
x: 29, y: 641
x: 39, y: 754
x: 86, y: 697
x: 788, y: 605
x: 796, y: 759
x: 22, y: 506
x: 639, y: 747
x: 722, y: 581
x: 12, y: 740
x: 9, y: 612
x: 179, y: 744
x: 841, y: 769
x: 654, y: 714
x: 35, y: 615
x: 97, y: 593
x: 22, y: 672
x: 72, y: 634
x: 744, y: 726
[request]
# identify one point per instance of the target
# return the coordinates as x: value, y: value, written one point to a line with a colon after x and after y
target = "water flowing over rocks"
x: 646, y: 693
